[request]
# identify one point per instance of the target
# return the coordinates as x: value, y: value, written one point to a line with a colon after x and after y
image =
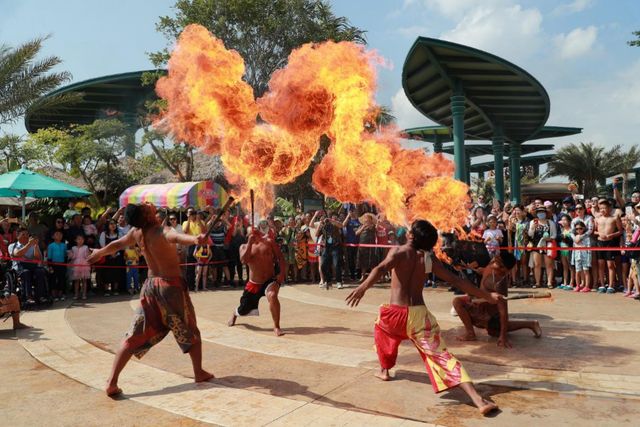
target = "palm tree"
x: 586, y: 164
x: 625, y: 164
x: 24, y: 81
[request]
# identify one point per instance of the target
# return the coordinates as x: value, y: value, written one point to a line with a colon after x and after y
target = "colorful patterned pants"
x: 164, y: 306
x: 397, y: 323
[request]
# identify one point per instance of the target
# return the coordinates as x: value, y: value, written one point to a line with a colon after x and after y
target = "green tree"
x: 586, y: 164
x: 624, y: 164
x: 88, y: 151
x: 24, y: 81
x: 264, y: 32
x: 635, y: 42
x: 17, y: 154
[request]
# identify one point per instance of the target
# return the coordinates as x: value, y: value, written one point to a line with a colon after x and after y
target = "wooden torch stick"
x: 545, y: 294
x: 217, y: 218
x: 253, y: 219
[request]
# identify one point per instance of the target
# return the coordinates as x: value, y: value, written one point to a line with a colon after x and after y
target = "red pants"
x: 397, y: 323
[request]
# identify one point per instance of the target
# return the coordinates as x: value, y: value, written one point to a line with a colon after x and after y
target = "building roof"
x: 205, y: 168
x: 106, y: 96
x: 497, y: 91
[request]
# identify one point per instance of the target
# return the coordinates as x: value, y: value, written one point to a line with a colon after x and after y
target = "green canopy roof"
x: 497, y: 92
x: 524, y: 161
x: 444, y: 134
x: 106, y: 96
x: 475, y: 150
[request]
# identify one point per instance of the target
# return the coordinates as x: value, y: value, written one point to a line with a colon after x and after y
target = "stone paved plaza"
x: 584, y: 371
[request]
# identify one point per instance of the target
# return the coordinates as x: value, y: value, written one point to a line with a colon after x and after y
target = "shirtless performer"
x: 407, y: 316
x: 164, y: 300
x: 496, y: 277
x: 260, y: 253
x: 608, y: 228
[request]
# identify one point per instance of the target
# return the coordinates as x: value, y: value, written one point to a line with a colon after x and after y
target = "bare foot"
x: 537, y: 329
x: 469, y: 336
x: 21, y: 325
x: 113, y: 390
x: 203, y: 376
x: 485, y: 406
x: 232, y: 320
x: 382, y: 374
x: 278, y: 332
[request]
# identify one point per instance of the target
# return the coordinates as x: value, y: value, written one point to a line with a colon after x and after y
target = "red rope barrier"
x: 99, y: 265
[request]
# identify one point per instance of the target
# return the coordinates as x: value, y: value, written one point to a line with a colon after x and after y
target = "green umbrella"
x: 24, y: 183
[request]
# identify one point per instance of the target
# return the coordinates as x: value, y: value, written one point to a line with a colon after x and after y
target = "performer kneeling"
x: 494, y: 318
x: 262, y: 255
x: 9, y: 303
x: 407, y: 317
x: 164, y: 300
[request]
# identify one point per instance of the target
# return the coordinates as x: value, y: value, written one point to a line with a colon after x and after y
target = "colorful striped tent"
x: 178, y: 195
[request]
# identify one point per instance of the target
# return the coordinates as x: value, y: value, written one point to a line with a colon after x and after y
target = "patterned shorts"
x: 164, y: 306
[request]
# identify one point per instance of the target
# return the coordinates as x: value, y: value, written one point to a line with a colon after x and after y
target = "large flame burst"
x: 326, y: 88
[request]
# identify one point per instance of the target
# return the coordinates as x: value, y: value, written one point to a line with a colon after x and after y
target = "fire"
x: 326, y: 88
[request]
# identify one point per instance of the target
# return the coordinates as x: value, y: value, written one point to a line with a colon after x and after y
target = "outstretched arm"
x: 113, y: 247
x: 460, y: 283
x: 353, y: 299
x: 173, y: 236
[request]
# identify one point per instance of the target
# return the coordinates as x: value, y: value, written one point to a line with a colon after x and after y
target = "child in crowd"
x: 57, y: 253
x: 69, y: 213
x: 565, y: 240
x: 80, y: 272
x: 202, y: 255
x: 90, y: 231
x: 493, y: 237
x: 581, y: 259
x: 132, y: 260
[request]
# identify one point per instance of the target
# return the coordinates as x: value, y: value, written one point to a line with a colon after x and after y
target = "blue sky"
x: 576, y: 48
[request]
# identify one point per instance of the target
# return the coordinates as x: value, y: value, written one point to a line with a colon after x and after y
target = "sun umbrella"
x: 24, y: 183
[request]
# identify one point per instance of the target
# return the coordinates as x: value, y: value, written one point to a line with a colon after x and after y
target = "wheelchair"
x: 11, y: 283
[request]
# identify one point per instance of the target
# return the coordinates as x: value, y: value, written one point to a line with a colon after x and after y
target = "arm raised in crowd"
x: 113, y: 247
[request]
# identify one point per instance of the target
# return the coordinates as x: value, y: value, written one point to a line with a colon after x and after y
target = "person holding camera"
x: 331, y: 232
x: 33, y: 276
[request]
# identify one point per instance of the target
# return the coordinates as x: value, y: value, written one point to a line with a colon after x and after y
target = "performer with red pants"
x: 407, y: 317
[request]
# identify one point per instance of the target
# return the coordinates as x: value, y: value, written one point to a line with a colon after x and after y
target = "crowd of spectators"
x: 563, y: 228
x: 326, y: 247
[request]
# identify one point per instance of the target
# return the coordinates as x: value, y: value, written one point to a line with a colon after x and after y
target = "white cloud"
x: 510, y: 31
x: 412, y: 32
x: 574, y: 7
x: 407, y: 116
x: 577, y: 43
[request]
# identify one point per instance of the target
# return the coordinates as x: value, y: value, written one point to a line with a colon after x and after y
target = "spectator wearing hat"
x: 567, y: 204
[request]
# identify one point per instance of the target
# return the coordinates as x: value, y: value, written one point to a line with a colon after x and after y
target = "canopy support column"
x: 498, y: 159
x: 437, y: 145
x: 458, y: 102
x: 536, y: 170
x: 515, y: 153
x: 467, y: 178
x: 23, y: 201
x: 637, y: 180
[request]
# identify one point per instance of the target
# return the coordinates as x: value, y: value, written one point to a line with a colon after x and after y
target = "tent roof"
x: 176, y: 194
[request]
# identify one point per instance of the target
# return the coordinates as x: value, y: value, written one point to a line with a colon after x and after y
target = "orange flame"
x: 326, y: 88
